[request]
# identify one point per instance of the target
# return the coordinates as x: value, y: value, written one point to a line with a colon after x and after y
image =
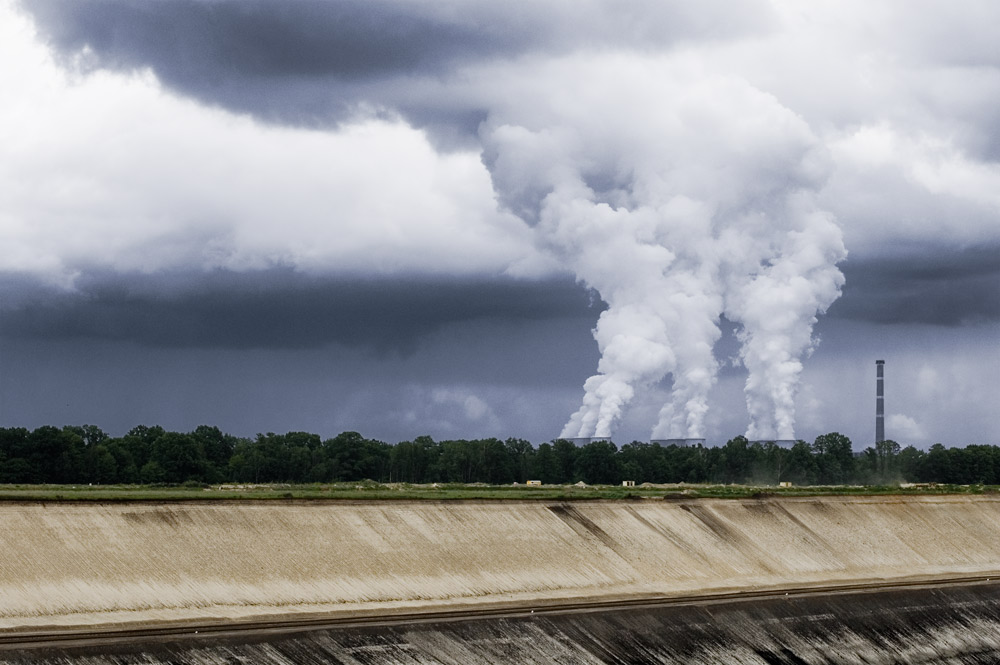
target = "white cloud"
x: 904, y: 430
x: 110, y: 170
x: 904, y: 96
x: 472, y: 408
x: 897, y: 100
x: 914, y: 180
x: 445, y: 412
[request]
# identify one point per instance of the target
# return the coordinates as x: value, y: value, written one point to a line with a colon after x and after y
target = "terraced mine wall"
x: 78, y: 564
x: 947, y: 625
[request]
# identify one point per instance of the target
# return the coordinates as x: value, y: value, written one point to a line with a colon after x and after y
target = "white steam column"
x: 701, y: 200
x: 879, y: 402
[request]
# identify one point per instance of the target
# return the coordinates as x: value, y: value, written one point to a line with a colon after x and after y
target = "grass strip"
x: 368, y: 490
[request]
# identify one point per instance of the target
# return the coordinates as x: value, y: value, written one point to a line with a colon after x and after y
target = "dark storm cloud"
x: 311, y: 61
x: 195, y: 42
x: 943, y: 287
x: 278, y: 309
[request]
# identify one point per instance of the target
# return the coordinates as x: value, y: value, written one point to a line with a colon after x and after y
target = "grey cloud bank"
x: 313, y: 62
x: 281, y: 308
x: 362, y: 186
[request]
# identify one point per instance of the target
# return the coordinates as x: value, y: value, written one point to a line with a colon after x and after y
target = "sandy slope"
x: 63, y: 563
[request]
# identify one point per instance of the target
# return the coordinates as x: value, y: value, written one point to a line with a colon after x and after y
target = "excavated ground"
x: 945, y: 625
x: 78, y: 564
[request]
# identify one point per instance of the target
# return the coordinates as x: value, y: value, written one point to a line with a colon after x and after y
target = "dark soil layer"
x: 955, y: 624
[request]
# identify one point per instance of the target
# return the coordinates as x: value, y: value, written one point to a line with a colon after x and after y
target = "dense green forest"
x: 150, y: 455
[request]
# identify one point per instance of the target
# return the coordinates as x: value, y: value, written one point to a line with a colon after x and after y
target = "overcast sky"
x: 311, y: 215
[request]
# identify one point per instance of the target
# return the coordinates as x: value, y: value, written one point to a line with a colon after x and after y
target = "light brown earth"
x: 64, y: 564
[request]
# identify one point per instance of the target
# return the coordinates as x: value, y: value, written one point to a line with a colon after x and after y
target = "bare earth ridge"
x: 73, y: 564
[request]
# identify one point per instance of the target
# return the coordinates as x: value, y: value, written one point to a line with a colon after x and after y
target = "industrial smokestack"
x: 879, y: 402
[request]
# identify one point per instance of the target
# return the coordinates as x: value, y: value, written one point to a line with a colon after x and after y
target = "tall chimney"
x: 879, y: 402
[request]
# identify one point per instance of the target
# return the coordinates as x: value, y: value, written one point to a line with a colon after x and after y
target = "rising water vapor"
x: 777, y: 307
x: 679, y: 197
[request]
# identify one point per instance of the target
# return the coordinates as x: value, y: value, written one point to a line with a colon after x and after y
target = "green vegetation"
x: 455, y: 492
x: 154, y: 457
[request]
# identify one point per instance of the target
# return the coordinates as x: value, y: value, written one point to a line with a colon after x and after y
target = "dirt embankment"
x: 77, y: 564
x: 939, y: 626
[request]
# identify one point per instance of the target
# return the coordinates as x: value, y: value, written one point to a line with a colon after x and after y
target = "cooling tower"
x: 584, y: 440
x: 781, y: 443
x: 682, y: 443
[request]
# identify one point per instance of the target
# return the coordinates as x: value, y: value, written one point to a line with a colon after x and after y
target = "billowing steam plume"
x: 679, y: 197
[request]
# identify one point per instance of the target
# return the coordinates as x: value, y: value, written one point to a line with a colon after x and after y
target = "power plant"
x: 681, y: 443
x: 879, y: 401
x: 584, y: 440
x: 781, y: 443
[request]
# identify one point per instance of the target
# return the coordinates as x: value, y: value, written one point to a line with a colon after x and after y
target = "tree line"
x: 153, y: 455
